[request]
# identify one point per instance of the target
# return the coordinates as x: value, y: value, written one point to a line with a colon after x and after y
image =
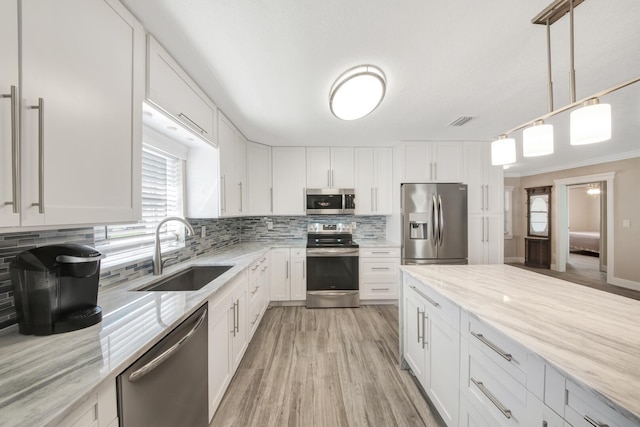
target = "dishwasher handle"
x: 157, y: 361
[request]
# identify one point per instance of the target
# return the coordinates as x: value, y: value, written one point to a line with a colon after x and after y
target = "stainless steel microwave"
x: 331, y: 201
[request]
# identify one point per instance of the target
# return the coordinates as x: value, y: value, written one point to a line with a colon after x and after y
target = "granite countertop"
x: 43, y: 379
x: 591, y: 336
x: 376, y: 243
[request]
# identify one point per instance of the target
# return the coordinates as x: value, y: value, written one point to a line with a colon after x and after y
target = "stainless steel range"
x: 332, y: 266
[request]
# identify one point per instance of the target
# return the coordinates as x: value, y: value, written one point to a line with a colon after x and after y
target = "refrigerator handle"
x: 440, y: 221
x: 435, y: 227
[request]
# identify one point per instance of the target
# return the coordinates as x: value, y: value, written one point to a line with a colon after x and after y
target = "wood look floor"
x: 585, y: 270
x: 324, y: 367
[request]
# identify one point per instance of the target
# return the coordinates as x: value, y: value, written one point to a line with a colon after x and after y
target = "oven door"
x: 332, y: 277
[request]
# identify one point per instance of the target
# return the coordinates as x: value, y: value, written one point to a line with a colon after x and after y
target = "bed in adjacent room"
x: 588, y: 241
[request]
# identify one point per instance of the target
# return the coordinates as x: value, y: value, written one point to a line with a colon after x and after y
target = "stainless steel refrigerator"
x: 434, y: 223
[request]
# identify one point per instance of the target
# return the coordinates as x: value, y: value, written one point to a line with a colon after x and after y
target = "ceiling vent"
x: 460, y: 121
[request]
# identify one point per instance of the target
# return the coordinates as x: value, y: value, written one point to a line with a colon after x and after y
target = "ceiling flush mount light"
x: 591, y: 123
x: 357, y: 92
x: 537, y: 140
x: 503, y: 151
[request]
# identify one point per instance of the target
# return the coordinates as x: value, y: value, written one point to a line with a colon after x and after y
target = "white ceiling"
x: 269, y: 66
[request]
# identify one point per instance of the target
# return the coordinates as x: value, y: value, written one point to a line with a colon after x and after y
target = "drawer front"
x: 503, y: 351
x: 584, y: 409
x: 436, y: 303
x: 379, y: 290
x: 380, y: 253
x: 376, y: 270
x: 298, y: 252
x: 499, y: 393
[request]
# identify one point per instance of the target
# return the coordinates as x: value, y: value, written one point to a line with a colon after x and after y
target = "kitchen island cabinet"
x: 533, y: 348
x: 81, y: 92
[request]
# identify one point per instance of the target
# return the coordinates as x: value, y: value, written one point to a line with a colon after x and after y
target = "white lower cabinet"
x: 259, y: 278
x: 228, y: 337
x: 379, y: 278
x: 288, y: 274
x: 432, y: 347
x: 99, y: 410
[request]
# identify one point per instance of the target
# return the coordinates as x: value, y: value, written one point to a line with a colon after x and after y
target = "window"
x: 162, y: 196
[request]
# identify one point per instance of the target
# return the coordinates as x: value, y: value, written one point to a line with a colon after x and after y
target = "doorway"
x: 587, y: 228
x: 604, y: 244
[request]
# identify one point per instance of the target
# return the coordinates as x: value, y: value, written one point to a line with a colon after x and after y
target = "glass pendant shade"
x: 503, y: 151
x: 590, y: 123
x: 357, y: 92
x: 537, y: 140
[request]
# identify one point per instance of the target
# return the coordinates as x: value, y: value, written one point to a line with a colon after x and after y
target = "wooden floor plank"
x: 324, y: 367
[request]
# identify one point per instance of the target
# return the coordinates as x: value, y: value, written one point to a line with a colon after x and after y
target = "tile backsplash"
x: 219, y: 234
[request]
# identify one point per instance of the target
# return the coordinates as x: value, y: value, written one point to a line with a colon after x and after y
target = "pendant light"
x: 503, y: 151
x: 357, y: 92
x: 537, y: 140
x: 591, y: 123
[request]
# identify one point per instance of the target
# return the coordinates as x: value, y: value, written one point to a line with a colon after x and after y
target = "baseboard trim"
x: 514, y: 260
x: 624, y: 283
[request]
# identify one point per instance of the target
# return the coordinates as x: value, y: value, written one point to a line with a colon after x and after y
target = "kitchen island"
x: 580, y: 347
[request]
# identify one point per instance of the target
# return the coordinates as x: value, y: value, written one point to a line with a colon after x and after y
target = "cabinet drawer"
x: 380, y: 253
x: 298, y: 253
x: 379, y: 290
x: 442, y: 307
x: 377, y: 270
x: 582, y: 406
x: 503, y: 351
x: 504, y: 398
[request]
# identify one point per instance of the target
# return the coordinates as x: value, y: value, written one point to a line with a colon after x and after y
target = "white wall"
x: 584, y: 210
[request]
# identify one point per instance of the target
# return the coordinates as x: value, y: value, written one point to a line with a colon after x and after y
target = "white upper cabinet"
x: 433, y: 162
x: 82, y: 77
x: 171, y: 89
x: 486, y: 182
x: 373, y: 173
x: 289, y: 192
x: 9, y: 94
x: 259, y: 190
x: 233, y: 169
x: 330, y: 167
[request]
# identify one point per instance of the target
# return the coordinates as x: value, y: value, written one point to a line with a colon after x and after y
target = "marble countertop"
x: 377, y: 243
x: 591, y: 336
x: 43, y: 379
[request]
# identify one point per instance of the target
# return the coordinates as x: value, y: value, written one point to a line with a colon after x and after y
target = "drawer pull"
x: 435, y: 304
x: 380, y: 268
x: 380, y: 289
x: 255, y: 268
x: 506, y: 412
x: 593, y: 422
x: 380, y: 252
x: 255, y: 320
x: 492, y: 346
x: 255, y: 290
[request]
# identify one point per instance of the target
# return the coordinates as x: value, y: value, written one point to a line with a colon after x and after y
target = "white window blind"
x: 162, y: 196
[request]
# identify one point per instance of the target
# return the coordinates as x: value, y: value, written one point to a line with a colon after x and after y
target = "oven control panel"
x: 329, y: 228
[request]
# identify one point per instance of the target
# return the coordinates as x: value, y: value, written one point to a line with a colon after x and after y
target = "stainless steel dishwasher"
x: 167, y: 386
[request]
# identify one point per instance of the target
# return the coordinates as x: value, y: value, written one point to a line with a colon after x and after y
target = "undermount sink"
x: 191, y: 279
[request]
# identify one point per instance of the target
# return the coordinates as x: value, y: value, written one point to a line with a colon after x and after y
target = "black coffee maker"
x: 55, y: 288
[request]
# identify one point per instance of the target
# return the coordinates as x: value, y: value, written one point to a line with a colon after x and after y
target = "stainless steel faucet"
x: 158, y: 262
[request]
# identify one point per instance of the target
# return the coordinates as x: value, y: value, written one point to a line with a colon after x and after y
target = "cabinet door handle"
x: 435, y: 304
x: 271, y: 199
x: 377, y: 208
x: 15, y: 150
x: 593, y: 422
x: 240, y: 184
x: 287, y: 269
x: 435, y: 171
x: 304, y: 199
x: 200, y: 129
x: 488, y: 234
x: 483, y: 231
x: 237, y: 313
x: 418, y: 321
x: 233, y: 328
x: 425, y: 340
x: 40, y: 108
x: 492, y: 346
x: 486, y: 195
x: 223, y: 195
x: 506, y: 412
x: 304, y: 269
x: 371, y: 199
x: 482, y: 198
x: 332, y: 178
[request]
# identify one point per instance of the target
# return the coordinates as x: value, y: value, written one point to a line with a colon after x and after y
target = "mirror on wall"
x: 539, y: 211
